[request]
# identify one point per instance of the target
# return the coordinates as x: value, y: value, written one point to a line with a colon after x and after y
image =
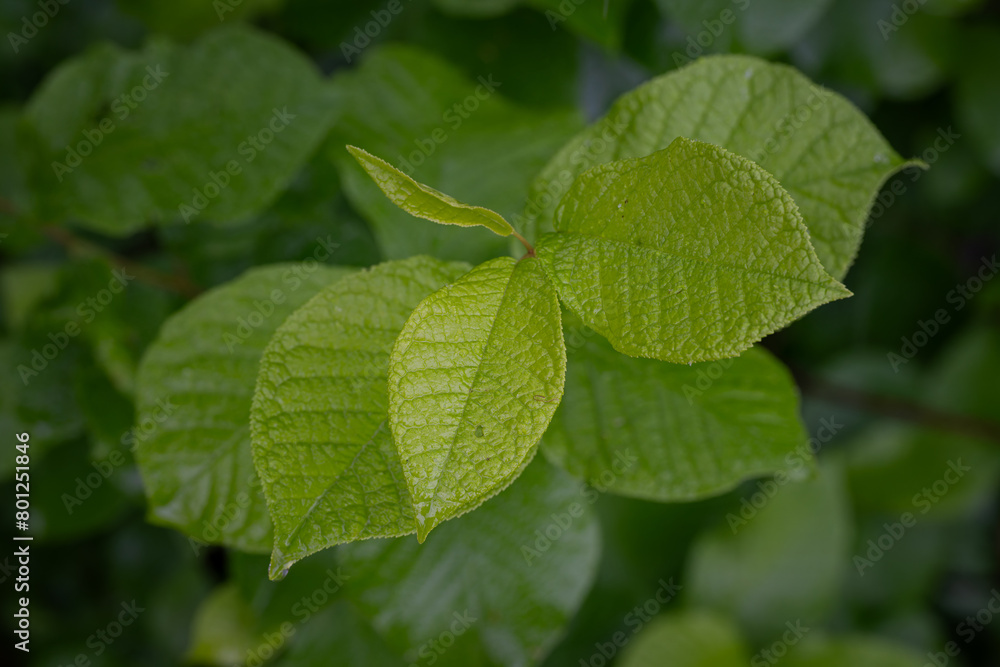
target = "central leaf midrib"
x: 475, y: 382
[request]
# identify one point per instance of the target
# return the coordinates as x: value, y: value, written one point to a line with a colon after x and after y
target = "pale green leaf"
x: 690, y: 254
x: 780, y: 555
x: 691, y: 639
x: 426, y: 202
x: 824, y: 152
x: 494, y: 565
x: 436, y: 125
x: 194, y: 388
x: 474, y: 379
x: 856, y: 651
x: 215, y: 130
x: 670, y: 432
x: 321, y: 440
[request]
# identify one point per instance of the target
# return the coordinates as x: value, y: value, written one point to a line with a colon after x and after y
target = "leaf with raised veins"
x: 424, y: 201
x: 474, y: 379
x: 819, y: 146
x: 321, y: 440
x: 690, y: 254
x: 670, y: 432
x: 193, y: 393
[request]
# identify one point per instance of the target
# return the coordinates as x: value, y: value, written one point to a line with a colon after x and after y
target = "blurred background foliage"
x: 920, y: 70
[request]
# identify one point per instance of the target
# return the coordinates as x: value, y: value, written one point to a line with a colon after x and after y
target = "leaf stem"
x: 531, y: 248
x: 74, y: 244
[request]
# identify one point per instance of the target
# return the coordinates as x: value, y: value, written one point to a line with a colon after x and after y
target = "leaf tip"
x: 279, y: 566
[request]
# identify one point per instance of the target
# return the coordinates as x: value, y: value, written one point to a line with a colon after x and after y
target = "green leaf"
x: 321, y: 441
x: 339, y: 631
x: 474, y: 379
x: 194, y: 388
x: 215, y: 130
x: 689, y: 254
x: 822, y: 150
x: 438, y: 127
x: 494, y: 565
x: 426, y: 202
x: 668, y: 432
x: 856, y: 651
x: 691, y: 639
x: 781, y: 555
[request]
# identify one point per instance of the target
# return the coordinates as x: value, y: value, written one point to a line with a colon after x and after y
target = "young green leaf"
x: 515, y: 588
x: 822, y: 150
x: 194, y: 388
x: 321, y: 440
x: 433, y: 122
x: 474, y: 379
x: 426, y: 202
x: 690, y: 254
x: 670, y: 432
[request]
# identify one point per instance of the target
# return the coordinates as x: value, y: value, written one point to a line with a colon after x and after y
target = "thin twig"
x: 901, y: 409
x: 74, y: 244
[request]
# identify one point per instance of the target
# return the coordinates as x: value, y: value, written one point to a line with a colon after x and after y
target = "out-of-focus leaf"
x: 168, y: 134
x: 503, y: 580
x: 691, y: 639
x: 780, y: 557
x: 671, y: 432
